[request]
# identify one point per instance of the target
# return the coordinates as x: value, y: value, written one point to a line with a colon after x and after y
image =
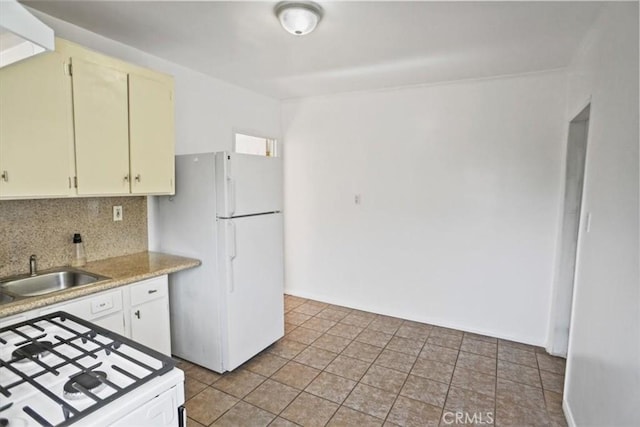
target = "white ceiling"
x: 357, y: 46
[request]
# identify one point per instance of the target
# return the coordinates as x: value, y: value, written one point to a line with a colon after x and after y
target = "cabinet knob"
x: 137, y: 314
x: 126, y: 178
x: 138, y: 178
x: 5, y: 176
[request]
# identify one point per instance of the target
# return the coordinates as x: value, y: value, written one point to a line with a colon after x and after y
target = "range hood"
x: 21, y: 34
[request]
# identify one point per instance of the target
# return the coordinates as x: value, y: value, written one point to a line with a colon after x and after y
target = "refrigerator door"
x: 250, y: 251
x: 247, y: 184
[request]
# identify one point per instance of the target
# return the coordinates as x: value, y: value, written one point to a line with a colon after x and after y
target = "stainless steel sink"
x: 47, y: 282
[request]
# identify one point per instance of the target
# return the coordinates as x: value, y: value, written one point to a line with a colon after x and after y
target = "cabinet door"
x: 152, y: 136
x: 101, y: 129
x: 36, y: 139
x: 113, y: 322
x: 150, y: 325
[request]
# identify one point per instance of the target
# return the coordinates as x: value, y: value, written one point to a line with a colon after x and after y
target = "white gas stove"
x: 59, y: 370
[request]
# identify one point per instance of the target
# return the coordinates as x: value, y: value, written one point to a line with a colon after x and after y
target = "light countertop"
x: 122, y: 270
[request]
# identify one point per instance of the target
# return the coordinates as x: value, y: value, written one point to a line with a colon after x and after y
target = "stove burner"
x: 30, y: 352
x: 87, y: 381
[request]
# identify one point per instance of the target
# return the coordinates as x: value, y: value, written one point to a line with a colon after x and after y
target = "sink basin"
x: 47, y: 282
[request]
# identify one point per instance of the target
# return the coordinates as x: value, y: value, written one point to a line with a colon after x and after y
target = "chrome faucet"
x: 32, y: 265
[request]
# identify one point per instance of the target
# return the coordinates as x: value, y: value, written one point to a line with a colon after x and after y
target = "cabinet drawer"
x: 92, y: 307
x: 149, y: 290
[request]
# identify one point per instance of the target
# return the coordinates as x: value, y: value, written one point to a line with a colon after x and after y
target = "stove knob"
x: 4, y: 422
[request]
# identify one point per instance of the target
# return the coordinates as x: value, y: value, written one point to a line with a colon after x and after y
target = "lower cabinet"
x: 149, y: 314
x: 139, y: 311
x: 112, y: 322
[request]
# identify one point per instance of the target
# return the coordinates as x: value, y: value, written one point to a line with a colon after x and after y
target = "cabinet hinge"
x: 69, y: 69
x: 75, y: 181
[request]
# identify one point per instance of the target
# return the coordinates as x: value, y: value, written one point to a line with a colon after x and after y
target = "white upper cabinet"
x: 36, y: 131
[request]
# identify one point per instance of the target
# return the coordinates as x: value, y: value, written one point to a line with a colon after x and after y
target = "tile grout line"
x: 372, y: 363
x: 451, y: 380
x: 307, y: 385
x: 358, y: 381
x: 386, y: 419
x: 240, y: 399
x: 544, y: 398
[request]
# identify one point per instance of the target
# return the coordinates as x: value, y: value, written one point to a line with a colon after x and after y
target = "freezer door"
x: 248, y: 184
x: 251, y: 268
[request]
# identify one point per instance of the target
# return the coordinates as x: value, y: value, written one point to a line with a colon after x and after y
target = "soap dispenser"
x: 79, y: 255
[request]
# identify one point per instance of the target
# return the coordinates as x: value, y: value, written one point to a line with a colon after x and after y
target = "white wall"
x: 460, y: 190
x: 208, y: 111
x: 603, y: 370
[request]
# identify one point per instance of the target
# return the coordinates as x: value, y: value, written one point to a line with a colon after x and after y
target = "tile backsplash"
x: 46, y: 227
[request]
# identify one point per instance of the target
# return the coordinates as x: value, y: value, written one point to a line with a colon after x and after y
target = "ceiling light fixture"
x: 298, y: 18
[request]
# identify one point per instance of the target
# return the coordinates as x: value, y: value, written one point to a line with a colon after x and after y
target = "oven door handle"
x: 182, y: 416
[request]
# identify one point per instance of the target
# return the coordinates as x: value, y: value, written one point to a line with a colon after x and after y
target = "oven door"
x: 161, y: 411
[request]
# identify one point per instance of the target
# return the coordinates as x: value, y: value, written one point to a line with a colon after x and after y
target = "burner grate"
x: 89, y: 342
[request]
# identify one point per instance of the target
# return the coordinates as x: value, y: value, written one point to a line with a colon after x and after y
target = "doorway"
x: 569, y: 233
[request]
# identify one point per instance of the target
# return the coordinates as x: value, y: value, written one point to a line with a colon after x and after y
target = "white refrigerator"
x: 227, y: 212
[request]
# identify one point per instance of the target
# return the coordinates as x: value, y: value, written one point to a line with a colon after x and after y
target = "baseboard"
x: 571, y: 422
x: 424, y: 319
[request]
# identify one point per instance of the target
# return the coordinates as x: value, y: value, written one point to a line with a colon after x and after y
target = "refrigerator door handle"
x: 231, y: 248
x: 231, y: 196
x: 230, y: 276
x: 231, y: 253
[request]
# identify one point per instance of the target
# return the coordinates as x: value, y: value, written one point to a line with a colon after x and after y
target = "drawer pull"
x: 152, y: 291
x: 137, y: 314
x: 100, y: 305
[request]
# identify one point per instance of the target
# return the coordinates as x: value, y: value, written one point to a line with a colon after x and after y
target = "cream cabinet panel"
x: 101, y: 129
x: 36, y: 132
x: 152, y: 136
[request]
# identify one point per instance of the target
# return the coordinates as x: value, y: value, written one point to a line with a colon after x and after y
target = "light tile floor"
x: 342, y: 367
